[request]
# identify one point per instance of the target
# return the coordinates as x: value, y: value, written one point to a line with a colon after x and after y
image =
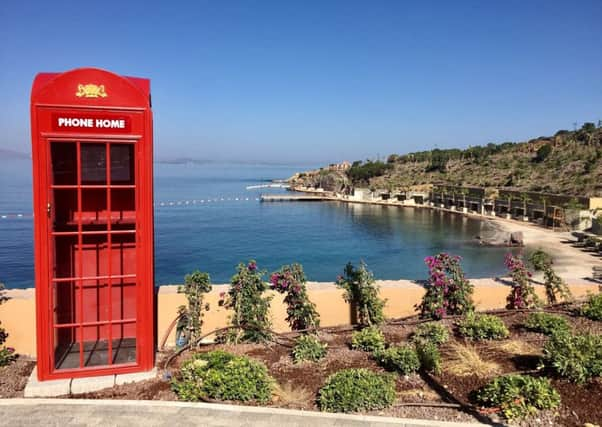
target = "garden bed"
x: 298, y: 383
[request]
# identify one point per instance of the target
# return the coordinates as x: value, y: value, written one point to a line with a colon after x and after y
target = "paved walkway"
x: 131, y: 413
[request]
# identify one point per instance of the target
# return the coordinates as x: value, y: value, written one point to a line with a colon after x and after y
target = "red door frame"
x: 53, y: 94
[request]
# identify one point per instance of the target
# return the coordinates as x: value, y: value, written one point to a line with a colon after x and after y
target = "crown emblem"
x: 90, y: 91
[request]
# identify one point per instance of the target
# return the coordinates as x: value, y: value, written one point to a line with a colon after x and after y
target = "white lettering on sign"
x: 75, y: 122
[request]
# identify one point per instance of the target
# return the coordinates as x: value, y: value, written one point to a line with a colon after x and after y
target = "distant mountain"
x: 570, y: 162
x: 6, y: 154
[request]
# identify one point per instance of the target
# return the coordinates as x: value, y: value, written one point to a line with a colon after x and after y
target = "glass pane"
x: 123, y: 208
x: 122, y: 164
x: 124, y: 349
x: 63, y: 257
x: 94, y: 164
x: 66, y: 348
x: 64, y: 208
x: 94, y: 214
x: 64, y: 163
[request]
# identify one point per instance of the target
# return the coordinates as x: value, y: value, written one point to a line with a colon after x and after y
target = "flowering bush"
x: 7, y: 354
x: 245, y: 297
x: 191, y: 316
x: 555, y: 286
x: 522, y: 294
x: 448, y: 291
x: 362, y: 294
x: 301, y: 312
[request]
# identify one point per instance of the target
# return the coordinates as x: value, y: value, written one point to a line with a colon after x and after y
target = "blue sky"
x: 319, y: 81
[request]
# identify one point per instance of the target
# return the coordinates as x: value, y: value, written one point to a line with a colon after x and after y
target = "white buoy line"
x: 162, y: 204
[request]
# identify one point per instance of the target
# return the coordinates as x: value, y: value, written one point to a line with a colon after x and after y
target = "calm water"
x: 214, y: 236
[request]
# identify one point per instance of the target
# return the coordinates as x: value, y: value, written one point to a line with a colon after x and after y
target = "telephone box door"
x: 92, y: 234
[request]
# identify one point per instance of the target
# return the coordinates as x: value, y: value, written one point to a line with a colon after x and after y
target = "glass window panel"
x: 66, y: 348
x: 94, y: 164
x: 122, y: 164
x: 64, y: 163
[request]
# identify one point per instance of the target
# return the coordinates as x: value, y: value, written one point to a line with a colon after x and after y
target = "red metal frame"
x: 93, y: 235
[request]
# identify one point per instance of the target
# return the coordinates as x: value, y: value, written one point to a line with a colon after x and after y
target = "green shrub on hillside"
x: 369, y: 339
x: 482, y: 327
x: 546, y: 323
x: 223, y: 376
x: 352, y: 390
x: 517, y: 396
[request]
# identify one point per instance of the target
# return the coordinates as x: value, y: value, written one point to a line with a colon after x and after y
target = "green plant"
x: 401, y: 358
x: 369, y: 339
x: 223, y: 376
x: 352, y: 390
x: 546, y: 323
x: 432, y: 332
x: 517, y: 396
x: 555, y: 286
x: 190, y: 319
x: 245, y: 297
x: 362, y: 294
x: 448, y: 291
x: 429, y: 356
x: 592, y: 309
x: 308, y: 348
x: 7, y: 354
x: 576, y: 357
x: 482, y: 327
x: 301, y: 312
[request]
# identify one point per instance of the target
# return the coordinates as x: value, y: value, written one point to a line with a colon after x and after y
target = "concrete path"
x: 134, y: 413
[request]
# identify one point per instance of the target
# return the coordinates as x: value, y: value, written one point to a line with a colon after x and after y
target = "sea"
x: 206, y: 219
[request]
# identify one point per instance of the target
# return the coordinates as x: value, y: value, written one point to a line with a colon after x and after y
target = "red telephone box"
x: 91, y: 134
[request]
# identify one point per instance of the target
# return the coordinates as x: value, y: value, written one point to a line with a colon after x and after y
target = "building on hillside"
x: 343, y: 166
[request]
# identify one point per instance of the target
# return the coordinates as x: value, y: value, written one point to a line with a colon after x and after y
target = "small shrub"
x: 7, y: 354
x: 352, y: 390
x: 448, y: 291
x: 479, y: 327
x: 592, y: 309
x: 433, y: 332
x: 369, y: 339
x: 556, y: 288
x: 401, y: 358
x: 429, y: 356
x: 523, y: 293
x: 576, y: 357
x: 190, y: 322
x: 546, y: 323
x: 518, y: 396
x: 301, y: 312
x: 308, y: 348
x: 362, y: 293
x: 251, y: 308
x: 223, y: 376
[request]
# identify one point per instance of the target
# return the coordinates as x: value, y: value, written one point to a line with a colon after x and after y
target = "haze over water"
x: 214, y: 236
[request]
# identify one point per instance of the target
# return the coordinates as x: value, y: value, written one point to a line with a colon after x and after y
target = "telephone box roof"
x: 90, y: 87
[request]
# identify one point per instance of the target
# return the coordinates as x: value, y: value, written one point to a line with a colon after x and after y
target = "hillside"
x: 566, y: 163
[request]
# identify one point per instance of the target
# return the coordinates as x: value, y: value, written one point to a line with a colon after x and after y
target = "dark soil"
x: 299, y: 383
x: 13, y: 377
